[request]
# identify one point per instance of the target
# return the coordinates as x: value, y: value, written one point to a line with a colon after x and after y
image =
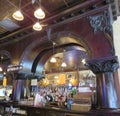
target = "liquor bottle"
x: 69, y: 102
x: 65, y: 102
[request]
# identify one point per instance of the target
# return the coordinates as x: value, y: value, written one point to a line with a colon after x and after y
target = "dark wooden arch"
x: 43, y: 46
x: 47, y: 51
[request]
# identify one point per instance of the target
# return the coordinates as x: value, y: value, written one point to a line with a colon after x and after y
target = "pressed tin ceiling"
x: 56, y: 11
x: 51, y: 7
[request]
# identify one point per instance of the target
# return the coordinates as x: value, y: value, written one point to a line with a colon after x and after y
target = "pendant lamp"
x: 39, y: 13
x: 63, y: 63
x: 1, y: 58
x: 53, y: 59
x: 18, y: 14
x: 37, y: 26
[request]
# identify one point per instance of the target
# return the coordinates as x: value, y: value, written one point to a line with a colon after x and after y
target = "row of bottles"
x: 58, y: 96
x: 55, y: 96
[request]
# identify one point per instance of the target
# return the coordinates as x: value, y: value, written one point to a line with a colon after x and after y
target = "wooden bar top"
x: 92, y: 112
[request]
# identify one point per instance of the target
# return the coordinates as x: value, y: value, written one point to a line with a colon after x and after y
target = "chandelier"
x: 39, y: 14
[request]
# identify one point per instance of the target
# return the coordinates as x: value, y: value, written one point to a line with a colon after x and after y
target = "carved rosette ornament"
x: 100, y: 22
x: 103, y: 65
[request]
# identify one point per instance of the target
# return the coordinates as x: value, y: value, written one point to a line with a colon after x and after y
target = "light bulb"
x: 53, y: 60
x: 18, y: 15
x: 56, y: 77
x: 37, y: 26
x: 39, y: 13
x: 1, y: 69
x: 63, y: 64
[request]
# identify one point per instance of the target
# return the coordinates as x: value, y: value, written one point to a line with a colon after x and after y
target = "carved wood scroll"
x: 101, y: 22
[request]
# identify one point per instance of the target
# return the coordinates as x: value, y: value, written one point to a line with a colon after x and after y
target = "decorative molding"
x: 103, y: 65
x: 101, y: 22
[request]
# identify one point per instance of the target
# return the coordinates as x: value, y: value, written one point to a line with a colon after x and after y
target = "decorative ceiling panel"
x: 55, y: 10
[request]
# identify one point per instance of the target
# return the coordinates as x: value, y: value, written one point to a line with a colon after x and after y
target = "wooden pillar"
x: 106, y: 90
x: 117, y: 84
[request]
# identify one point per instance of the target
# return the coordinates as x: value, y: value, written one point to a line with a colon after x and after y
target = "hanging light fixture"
x: 1, y: 69
x: 37, y: 26
x: 53, y: 59
x: 18, y: 15
x: 63, y: 63
x: 39, y: 13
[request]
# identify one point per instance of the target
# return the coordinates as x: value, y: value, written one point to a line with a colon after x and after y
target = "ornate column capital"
x: 109, y: 64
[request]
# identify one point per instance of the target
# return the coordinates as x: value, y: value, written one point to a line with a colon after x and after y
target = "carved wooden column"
x: 106, y: 90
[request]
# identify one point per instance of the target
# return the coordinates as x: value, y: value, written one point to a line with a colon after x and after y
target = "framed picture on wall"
x: 71, y: 75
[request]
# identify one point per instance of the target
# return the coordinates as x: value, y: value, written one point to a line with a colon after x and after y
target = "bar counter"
x: 55, y: 111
